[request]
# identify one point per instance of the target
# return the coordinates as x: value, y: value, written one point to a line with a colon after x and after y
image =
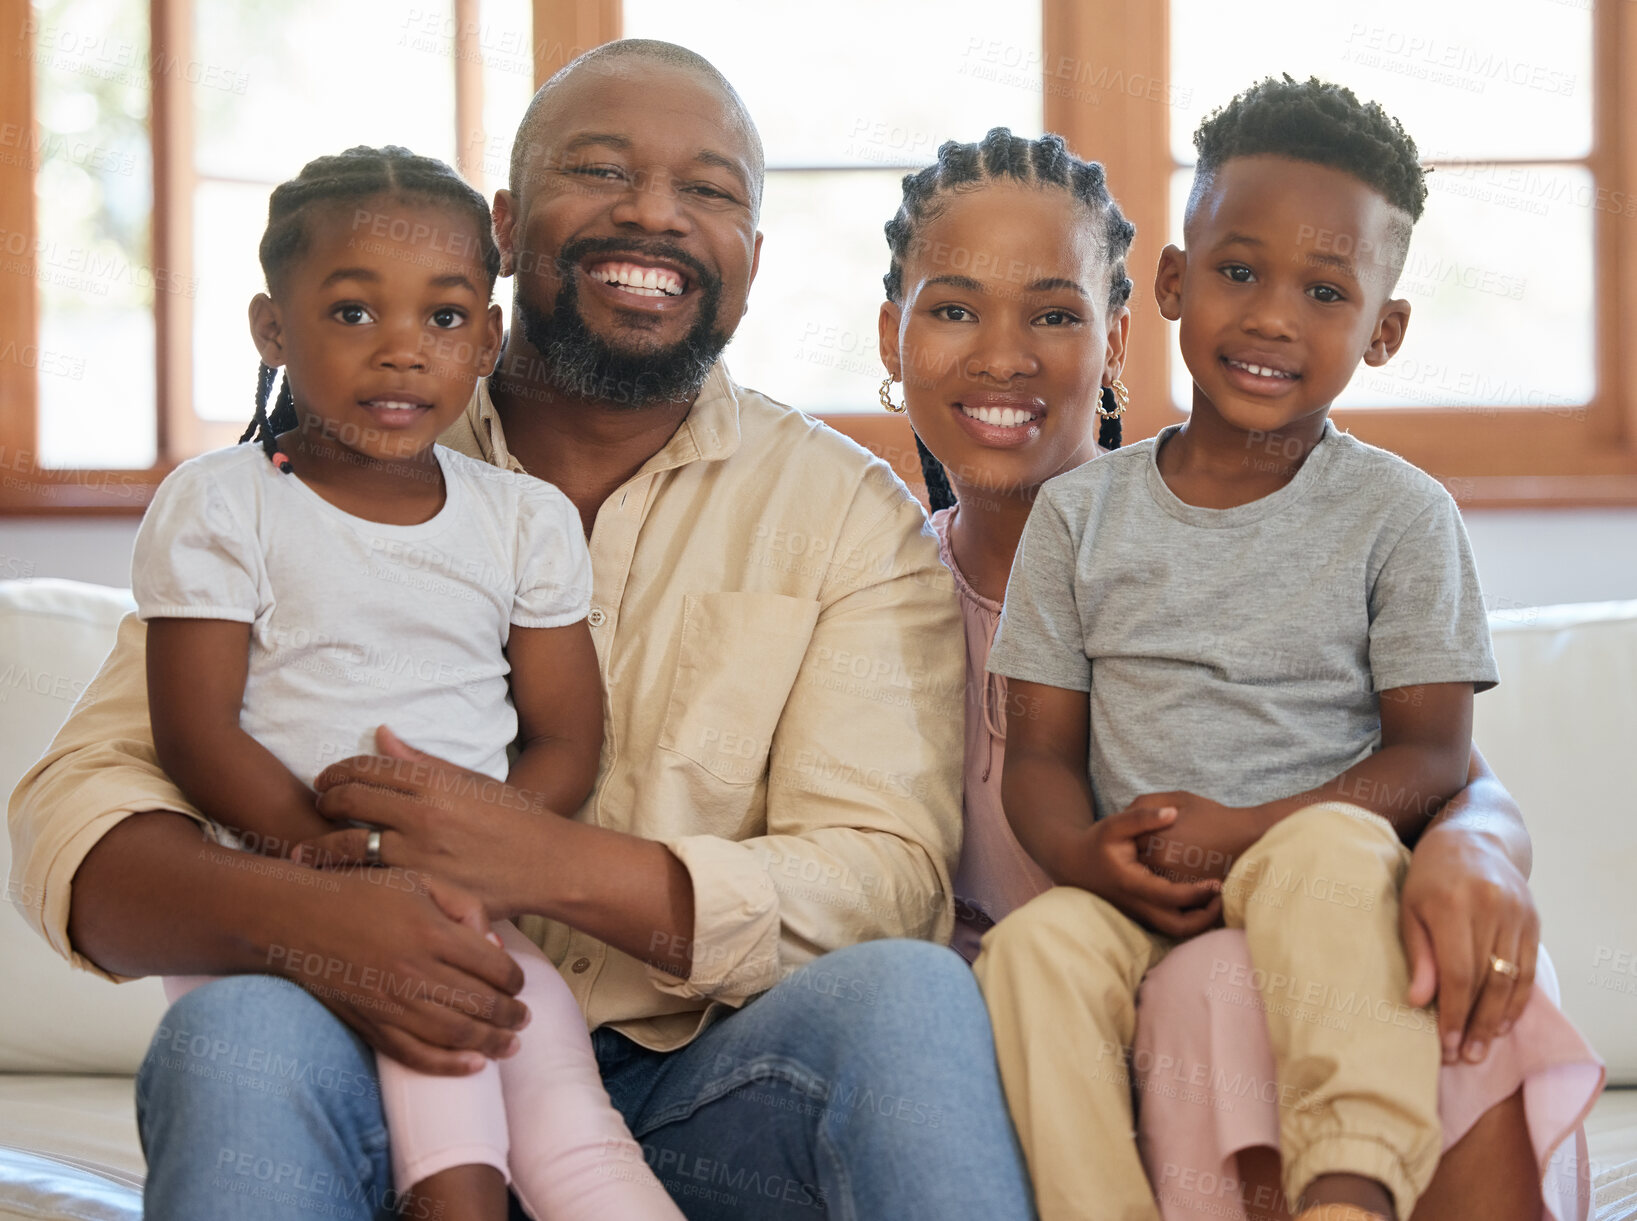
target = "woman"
x: 1006, y: 320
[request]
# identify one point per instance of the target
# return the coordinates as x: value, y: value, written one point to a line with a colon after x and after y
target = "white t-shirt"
x: 355, y: 624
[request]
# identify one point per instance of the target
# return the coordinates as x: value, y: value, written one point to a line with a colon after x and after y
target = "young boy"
x: 1261, y: 638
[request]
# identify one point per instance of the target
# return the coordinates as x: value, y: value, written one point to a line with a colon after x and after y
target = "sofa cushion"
x: 53, y: 636
x: 1559, y: 732
x: 68, y: 1148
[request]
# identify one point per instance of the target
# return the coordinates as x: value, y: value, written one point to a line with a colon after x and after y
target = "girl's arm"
x: 557, y: 689
x: 196, y: 677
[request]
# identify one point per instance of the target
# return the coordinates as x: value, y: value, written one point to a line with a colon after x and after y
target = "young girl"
x: 344, y: 570
x: 1005, y: 372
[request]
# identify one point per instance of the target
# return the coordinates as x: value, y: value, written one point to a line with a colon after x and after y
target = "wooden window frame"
x: 26, y: 487
x: 1500, y: 457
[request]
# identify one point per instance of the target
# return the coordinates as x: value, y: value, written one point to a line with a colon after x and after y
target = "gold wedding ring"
x: 1501, y: 965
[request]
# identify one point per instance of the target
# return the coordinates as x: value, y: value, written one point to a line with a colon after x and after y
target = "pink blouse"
x: 995, y: 874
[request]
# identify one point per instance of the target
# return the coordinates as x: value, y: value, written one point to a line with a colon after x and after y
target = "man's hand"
x: 408, y: 962
x: 434, y: 818
x: 1204, y: 840
x: 1109, y: 864
x: 1463, y: 901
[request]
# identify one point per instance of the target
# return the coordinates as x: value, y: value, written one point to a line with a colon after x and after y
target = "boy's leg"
x: 861, y: 1086
x: 1060, y: 977
x: 1317, y: 897
x: 254, y: 1102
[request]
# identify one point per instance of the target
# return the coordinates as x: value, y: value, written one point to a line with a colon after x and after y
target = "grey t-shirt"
x: 1238, y: 653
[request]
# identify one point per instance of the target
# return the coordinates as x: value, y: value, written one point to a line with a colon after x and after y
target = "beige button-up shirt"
x: 781, y: 652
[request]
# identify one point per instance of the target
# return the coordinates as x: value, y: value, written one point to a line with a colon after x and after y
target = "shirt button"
x: 596, y: 618
x: 581, y: 966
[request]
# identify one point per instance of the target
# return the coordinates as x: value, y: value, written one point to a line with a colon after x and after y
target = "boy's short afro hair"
x: 1317, y: 122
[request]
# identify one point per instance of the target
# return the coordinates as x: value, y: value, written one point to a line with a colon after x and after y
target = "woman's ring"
x: 372, y: 856
x: 1501, y: 965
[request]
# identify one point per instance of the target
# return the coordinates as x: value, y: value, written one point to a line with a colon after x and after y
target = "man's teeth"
x: 644, y: 281
x: 1001, y: 417
x: 1261, y: 370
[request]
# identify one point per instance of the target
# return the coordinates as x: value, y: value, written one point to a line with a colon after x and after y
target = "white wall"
x: 1526, y: 557
x: 1539, y: 557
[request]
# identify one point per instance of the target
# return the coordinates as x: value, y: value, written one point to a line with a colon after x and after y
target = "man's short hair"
x: 668, y: 53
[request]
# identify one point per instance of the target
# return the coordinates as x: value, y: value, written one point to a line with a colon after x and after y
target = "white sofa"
x: 1557, y: 730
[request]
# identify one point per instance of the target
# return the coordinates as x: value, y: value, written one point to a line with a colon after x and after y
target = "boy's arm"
x: 1423, y: 761
x: 1047, y: 796
x: 196, y: 677
x: 557, y: 689
x: 1426, y: 746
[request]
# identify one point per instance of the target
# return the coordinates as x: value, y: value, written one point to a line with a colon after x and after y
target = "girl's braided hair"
x: 1001, y: 155
x: 354, y: 176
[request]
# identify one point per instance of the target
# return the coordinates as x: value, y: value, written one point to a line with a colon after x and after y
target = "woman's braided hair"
x: 1001, y: 155
x: 354, y: 176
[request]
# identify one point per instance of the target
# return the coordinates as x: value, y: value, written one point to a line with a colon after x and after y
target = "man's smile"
x: 644, y: 280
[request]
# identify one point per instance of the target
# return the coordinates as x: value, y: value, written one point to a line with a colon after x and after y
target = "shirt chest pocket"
x: 738, y: 658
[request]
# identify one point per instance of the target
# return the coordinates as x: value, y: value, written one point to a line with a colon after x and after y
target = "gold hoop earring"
x: 886, y: 398
x: 1122, y: 397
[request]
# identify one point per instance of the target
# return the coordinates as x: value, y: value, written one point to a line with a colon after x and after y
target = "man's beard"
x: 580, y: 362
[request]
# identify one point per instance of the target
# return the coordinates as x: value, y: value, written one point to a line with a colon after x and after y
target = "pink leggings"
x: 541, y: 1118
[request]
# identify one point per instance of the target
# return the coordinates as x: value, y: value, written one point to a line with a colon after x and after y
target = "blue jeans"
x: 862, y: 1086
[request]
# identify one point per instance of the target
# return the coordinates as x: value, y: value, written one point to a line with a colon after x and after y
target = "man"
x: 782, y: 657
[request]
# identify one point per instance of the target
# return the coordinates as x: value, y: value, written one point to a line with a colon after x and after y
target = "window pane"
x: 506, y: 44
x: 809, y: 338
x: 1500, y: 285
x: 93, y: 257
x: 852, y: 83
x: 283, y: 83
x: 228, y: 219
x: 1508, y: 78
x: 858, y: 82
x: 293, y: 82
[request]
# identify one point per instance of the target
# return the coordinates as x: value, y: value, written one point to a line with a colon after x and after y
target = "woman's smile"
x: 1001, y: 420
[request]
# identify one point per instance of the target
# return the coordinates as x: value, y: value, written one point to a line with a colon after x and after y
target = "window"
x: 1500, y: 272
x: 1514, y: 385
x: 149, y: 144
x: 871, y: 94
x: 149, y: 140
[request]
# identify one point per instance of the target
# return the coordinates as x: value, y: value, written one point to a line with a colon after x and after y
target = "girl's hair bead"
x: 280, y: 461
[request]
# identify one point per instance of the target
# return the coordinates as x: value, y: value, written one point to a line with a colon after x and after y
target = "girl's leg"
x: 448, y: 1141
x: 440, y: 1169
x: 572, y: 1157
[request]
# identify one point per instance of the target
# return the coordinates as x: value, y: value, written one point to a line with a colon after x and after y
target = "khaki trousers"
x: 1317, y: 897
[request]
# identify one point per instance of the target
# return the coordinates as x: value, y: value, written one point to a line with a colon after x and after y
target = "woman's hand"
x: 1463, y: 901
x: 434, y: 818
x: 409, y: 963
x: 1109, y: 864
